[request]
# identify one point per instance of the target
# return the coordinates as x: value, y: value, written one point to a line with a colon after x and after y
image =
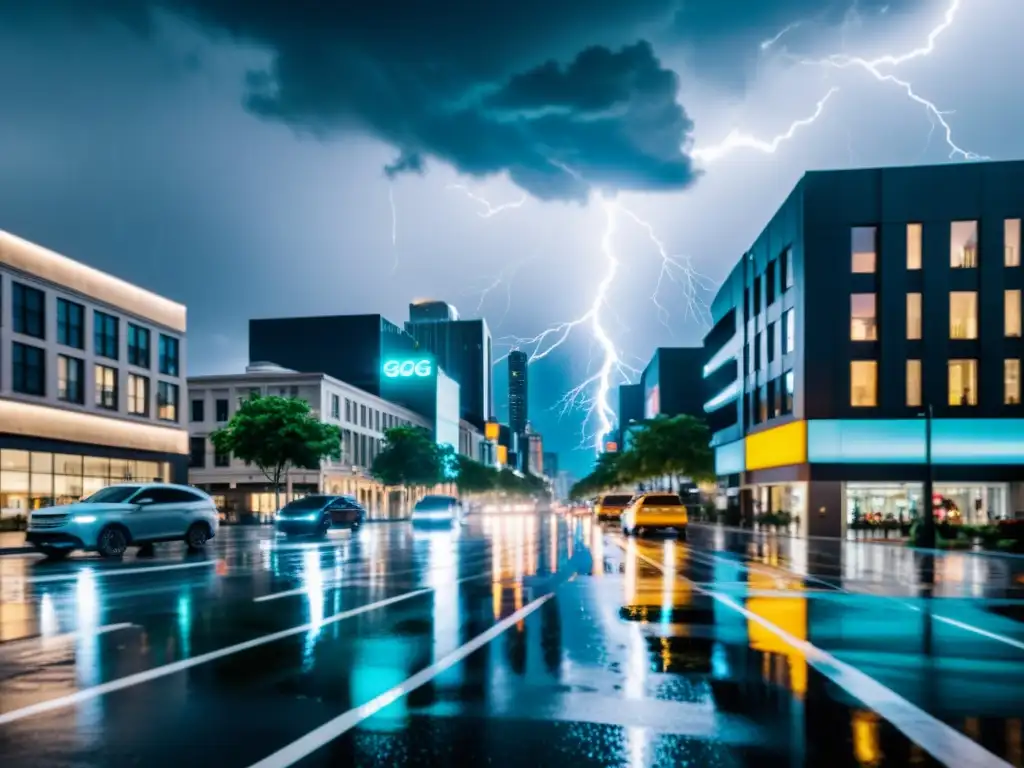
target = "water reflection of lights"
x: 87, y: 658
x: 49, y: 624
x: 313, y: 581
x: 185, y: 622
x: 668, y: 582
x: 553, y: 545
x: 442, y: 567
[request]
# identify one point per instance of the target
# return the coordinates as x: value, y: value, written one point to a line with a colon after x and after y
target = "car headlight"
x: 84, y: 519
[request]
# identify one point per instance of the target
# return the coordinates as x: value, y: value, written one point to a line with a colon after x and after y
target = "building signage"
x: 395, y: 369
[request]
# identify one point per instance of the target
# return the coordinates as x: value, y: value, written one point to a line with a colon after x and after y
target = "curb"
x: 16, y: 551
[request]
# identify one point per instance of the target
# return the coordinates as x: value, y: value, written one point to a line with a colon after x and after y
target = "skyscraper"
x: 462, y: 349
x: 517, y: 392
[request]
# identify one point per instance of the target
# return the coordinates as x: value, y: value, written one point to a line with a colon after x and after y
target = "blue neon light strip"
x: 728, y: 351
x: 902, y: 441
x: 727, y: 395
x: 730, y: 459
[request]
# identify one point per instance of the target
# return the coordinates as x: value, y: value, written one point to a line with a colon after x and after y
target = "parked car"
x: 122, y: 516
x: 317, y: 514
x: 438, y: 510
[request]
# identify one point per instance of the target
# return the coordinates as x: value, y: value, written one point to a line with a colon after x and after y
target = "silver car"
x: 119, y: 516
x: 438, y: 510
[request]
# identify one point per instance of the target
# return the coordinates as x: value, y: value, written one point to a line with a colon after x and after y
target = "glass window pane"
x: 14, y: 460
x: 862, y: 248
x: 1011, y: 312
x: 863, y: 383
x: 963, y: 315
x: 915, y: 236
x: 148, y: 471
x: 1011, y: 242
x: 97, y: 467
x: 963, y: 244
x: 913, y: 315
x: 862, y: 317
x: 119, y: 470
x: 913, y: 382
x: 1011, y: 381
x: 963, y: 382
x: 42, y: 462
x: 41, y: 491
x: 64, y: 464
x: 67, y: 488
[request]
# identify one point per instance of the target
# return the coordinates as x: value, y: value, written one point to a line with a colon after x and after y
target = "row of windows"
x: 29, y: 319
x: 779, y: 336
x: 776, y: 280
x: 961, y: 383
x: 963, y: 246
x: 28, y: 377
x: 963, y: 315
x: 358, y: 449
x: 368, y: 417
x: 771, y: 400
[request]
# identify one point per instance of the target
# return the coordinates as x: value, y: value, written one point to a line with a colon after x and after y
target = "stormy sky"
x: 253, y: 158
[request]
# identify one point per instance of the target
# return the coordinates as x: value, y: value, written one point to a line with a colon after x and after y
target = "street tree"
x: 474, y: 477
x: 277, y: 433
x: 409, y: 459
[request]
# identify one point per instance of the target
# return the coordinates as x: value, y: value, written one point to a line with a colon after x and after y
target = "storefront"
x: 967, y: 503
x: 33, y: 479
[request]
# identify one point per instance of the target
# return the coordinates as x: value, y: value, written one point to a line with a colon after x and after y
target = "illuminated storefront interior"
x: 34, y: 479
x: 968, y: 503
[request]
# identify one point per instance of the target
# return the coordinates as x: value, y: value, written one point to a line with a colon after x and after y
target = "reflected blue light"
x: 185, y: 623
x: 730, y: 459
x: 313, y: 581
x: 902, y: 441
x: 730, y: 393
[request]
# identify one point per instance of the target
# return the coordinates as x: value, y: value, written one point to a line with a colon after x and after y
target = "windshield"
x: 306, y: 503
x: 115, y: 494
x: 617, y: 500
x: 435, y: 502
x: 663, y: 500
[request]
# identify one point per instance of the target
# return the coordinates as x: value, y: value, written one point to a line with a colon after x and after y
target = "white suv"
x: 119, y: 516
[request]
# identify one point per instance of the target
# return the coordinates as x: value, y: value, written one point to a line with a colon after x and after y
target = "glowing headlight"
x: 84, y: 519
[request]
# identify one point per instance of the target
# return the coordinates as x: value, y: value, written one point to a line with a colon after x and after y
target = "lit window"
x: 789, y: 331
x: 963, y: 382
x: 789, y: 385
x: 138, y: 396
x: 1011, y: 242
x: 913, y: 315
x: 787, y: 269
x: 862, y: 248
x: 963, y: 315
x: 863, y: 325
x: 1011, y: 312
x: 915, y: 237
x: 1011, y: 381
x: 106, y: 387
x: 914, y: 382
x: 863, y: 383
x: 963, y: 244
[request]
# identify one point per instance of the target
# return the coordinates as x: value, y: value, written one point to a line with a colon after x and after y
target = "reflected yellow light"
x: 788, y: 614
x: 496, y: 593
x: 554, y: 545
x: 866, y: 747
x: 50, y: 266
x: 31, y: 420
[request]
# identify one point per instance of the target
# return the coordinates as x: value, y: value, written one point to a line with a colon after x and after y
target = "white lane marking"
x: 98, y: 572
x: 87, y: 694
x: 332, y: 729
x: 947, y: 745
x: 745, y: 566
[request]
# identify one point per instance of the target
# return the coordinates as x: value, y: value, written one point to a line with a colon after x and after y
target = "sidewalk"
x: 13, y: 543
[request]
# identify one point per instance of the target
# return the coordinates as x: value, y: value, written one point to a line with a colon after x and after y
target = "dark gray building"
x: 871, y: 296
x: 518, y: 401
x: 673, y: 382
x: 463, y: 349
x: 631, y: 408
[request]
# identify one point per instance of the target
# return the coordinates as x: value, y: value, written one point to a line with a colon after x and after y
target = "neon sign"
x: 394, y: 369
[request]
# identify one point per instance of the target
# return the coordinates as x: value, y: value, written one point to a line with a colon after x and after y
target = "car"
x: 611, y: 505
x: 655, y: 511
x: 315, y: 515
x: 438, y: 510
x: 125, y: 515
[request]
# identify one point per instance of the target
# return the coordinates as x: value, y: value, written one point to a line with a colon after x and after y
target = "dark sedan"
x: 315, y: 515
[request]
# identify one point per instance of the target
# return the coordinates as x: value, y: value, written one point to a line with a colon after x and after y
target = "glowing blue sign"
x: 394, y: 369
x: 730, y: 458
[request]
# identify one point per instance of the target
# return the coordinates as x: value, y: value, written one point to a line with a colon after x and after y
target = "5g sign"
x: 404, y: 369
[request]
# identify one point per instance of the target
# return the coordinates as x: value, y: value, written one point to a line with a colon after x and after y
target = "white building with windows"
x: 92, y: 370
x: 242, y: 491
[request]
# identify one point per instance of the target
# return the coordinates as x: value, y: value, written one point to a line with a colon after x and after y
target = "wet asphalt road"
x: 517, y: 640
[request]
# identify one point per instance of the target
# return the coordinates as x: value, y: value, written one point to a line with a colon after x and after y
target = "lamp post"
x: 927, y: 538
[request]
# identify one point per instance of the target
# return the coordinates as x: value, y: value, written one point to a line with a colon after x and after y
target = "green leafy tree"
x: 410, y: 459
x: 275, y: 434
x: 474, y: 477
x: 673, y: 446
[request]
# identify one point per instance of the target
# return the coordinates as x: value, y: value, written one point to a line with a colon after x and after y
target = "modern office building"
x: 463, y: 350
x: 518, y: 392
x: 871, y: 298
x: 349, y: 348
x: 631, y: 409
x: 533, y: 454
x: 91, y: 372
x: 673, y: 382
x: 243, y: 491
x: 551, y: 464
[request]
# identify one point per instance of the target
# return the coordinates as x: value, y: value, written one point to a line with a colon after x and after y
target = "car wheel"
x: 52, y: 553
x: 197, y: 536
x: 323, y: 528
x: 112, y: 542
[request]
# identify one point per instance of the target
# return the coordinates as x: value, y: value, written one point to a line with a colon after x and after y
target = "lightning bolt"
x: 489, y: 210
x: 876, y: 68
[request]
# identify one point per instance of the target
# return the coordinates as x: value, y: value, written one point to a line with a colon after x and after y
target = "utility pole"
x: 927, y: 538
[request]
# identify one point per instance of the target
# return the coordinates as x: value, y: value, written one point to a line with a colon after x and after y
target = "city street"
x: 515, y: 640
